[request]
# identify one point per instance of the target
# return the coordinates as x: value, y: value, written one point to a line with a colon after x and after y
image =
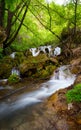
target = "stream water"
x: 14, y: 113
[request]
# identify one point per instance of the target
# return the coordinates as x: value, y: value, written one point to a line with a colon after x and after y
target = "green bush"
x: 74, y: 95
x: 13, y: 78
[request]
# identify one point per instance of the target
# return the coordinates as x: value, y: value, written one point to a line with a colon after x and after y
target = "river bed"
x: 23, y: 110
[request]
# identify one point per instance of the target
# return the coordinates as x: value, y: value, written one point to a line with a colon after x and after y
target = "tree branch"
x: 14, y: 36
x: 46, y: 26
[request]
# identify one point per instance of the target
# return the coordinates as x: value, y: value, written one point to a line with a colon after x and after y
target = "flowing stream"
x: 12, y: 112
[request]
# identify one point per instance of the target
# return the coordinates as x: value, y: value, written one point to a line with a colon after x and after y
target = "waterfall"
x: 34, y: 51
x: 47, y: 50
x: 62, y: 73
x: 63, y: 79
x: 57, y: 51
x: 13, y: 55
x: 15, y: 71
x: 42, y: 48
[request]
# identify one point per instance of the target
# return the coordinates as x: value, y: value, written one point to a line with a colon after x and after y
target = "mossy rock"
x: 5, y: 70
x: 32, y: 63
x: 13, y: 78
x: 19, y: 58
x: 39, y: 67
x: 6, y: 65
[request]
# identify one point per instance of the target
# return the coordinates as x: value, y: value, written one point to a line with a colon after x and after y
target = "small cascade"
x: 15, y: 71
x: 62, y: 73
x: 46, y: 49
x: 42, y: 48
x: 34, y: 51
x: 49, y: 48
x: 57, y: 51
x: 13, y: 55
x: 62, y: 78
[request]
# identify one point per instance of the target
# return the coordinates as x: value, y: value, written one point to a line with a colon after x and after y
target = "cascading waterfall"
x: 61, y: 78
x: 15, y: 71
x: 45, y: 49
x: 4, y: 81
x: 13, y: 55
x: 34, y: 51
x: 57, y: 51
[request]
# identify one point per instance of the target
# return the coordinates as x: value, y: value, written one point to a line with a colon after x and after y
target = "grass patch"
x: 74, y: 95
x: 14, y: 78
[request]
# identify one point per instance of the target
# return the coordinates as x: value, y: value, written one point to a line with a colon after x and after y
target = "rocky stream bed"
x: 47, y: 109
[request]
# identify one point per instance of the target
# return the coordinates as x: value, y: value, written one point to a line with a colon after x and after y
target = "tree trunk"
x: 75, y: 16
x: 2, y: 11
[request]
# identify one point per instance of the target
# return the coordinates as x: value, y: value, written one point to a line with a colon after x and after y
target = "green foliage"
x: 13, y: 78
x: 41, y: 23
x: 74, y: 95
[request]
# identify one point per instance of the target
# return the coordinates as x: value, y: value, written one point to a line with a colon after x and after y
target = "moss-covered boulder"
x: 19, y: 58
x: 13, y: 78
x: 6, y: 65
x: 40, y: 66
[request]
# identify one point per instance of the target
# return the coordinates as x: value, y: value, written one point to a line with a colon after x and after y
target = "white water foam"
x: 64, y: 79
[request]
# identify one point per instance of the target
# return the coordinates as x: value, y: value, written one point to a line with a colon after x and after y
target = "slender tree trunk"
x: 9, y: 39
x: 75, y: 16
x: 2, y: 11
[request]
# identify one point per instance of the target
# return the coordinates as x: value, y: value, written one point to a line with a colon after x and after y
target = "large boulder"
x: 39, y: 66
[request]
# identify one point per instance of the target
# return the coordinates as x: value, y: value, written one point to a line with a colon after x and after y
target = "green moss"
x: 13, y: 78
x: 19, y: 58
x: 74, y: 95
x: 50, y: 68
